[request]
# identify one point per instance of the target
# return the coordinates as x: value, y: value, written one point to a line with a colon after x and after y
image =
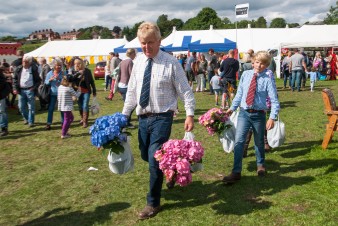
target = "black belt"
x: 254, y: 111
x: 150, y: 114
x: 27, y: 88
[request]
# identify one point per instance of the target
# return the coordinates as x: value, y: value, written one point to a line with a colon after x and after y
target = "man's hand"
x: 189, y: 123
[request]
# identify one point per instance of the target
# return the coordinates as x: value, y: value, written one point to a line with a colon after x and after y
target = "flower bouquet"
x: 107, y: 133
x: 176, y: 157
x: 216, y: 120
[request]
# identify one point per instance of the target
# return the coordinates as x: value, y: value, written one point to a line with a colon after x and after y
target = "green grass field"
x: 44, y: 179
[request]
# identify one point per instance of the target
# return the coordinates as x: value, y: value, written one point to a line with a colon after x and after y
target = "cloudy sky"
x: 20, y: 17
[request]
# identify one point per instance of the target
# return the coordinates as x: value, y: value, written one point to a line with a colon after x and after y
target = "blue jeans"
x: 108, y: 81
x: 153, y: 131
x: 210, y: 74
x: 296, y: 76
x: 123, y: 92
x: 83, y: 102
x: 286, y: 77
x: 27, y: 100
x: 3, y: 114
x: 51, y: 107
x: 247, y: 120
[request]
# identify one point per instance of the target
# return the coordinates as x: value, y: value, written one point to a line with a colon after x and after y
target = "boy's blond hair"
x: 262, y: 56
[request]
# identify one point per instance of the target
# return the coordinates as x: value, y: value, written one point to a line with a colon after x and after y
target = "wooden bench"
x: 330, y: 109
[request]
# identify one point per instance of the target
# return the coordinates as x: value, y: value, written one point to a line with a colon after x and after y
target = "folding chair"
x: 330, y: 109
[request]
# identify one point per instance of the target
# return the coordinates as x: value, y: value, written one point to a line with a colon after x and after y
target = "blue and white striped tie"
x: 145, y: 92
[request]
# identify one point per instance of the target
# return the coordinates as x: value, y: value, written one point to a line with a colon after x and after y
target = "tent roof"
x: 313, y: 36
x: 95, y: 47
x: 193, y: 40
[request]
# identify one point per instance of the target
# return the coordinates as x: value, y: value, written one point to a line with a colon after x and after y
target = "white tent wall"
x: 93, y: 50
x: 313, y: 36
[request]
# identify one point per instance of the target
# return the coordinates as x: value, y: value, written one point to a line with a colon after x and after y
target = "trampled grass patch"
x: 44, y: 180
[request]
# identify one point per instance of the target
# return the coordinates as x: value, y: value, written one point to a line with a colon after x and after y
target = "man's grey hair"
x: 29, y: 59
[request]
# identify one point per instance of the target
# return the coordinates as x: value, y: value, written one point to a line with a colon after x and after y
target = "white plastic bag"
x: 189, y: 136
x: 95, y: 107
x: 197, y: 166
x: 234, y: 118
x: 123, y: 162
x: 276, y: 135
x: 227, y: 138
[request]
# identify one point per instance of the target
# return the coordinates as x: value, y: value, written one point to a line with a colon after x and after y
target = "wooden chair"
x: 330, y: 109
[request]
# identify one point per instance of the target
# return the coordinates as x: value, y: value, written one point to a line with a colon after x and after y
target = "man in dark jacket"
x: 4, y: 91
x: 229, y: 68
x: 26, y: 82
x: 44, y: 69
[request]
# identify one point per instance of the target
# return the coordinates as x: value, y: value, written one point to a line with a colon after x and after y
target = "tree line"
x: 202, y: 21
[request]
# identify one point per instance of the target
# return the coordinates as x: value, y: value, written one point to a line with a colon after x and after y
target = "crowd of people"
x: 297, y: 67
x: 150, y: 84
x: 25, y: 77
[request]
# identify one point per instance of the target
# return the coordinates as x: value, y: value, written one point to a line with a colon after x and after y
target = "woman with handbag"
x: 87, y: 85
x: 53, y: 79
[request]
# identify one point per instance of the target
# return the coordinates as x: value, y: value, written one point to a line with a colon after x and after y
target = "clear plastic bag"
x: 197, y: 166
x: 95, y: 107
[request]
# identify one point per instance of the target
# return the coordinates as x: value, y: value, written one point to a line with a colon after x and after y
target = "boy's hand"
x: 270, y: 124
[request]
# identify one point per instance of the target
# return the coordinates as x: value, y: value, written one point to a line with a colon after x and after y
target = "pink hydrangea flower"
x: 175, y: 159
x: 215, y: 120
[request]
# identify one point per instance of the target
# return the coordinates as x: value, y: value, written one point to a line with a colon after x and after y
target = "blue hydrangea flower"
x: 108, y: 128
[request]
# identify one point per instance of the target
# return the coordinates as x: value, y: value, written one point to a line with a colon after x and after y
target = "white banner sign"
x: 242, y: 10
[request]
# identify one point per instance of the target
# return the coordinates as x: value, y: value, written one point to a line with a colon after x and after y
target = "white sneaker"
x: 65, y: 136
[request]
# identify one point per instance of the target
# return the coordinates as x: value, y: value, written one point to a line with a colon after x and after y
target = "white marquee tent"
x: 93, y: 50
x: 193, y: 40
x: 313, y: 36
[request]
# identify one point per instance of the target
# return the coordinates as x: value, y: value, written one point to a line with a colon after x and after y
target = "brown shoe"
x: 232, y: 178
x: 261, y: 172
x: 148, y: 212
x: 267, y: 148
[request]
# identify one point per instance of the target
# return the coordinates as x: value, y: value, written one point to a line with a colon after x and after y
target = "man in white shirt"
x: 167, y: 83
x: 25, y: 83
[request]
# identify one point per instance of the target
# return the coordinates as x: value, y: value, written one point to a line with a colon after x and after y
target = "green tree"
x: 106, y: 33
x: 164, y: 24
x: 131, y: 33
x: 86, y: 35
x: 126, y: 31
x: 178, y: 23
x: 278, y: 23
x: 243, y: 24
x: 206, y: 17
x: 117, y: 29
x: 226, y: 23
x: 8, y: 39
x: 260, y: 22
x: 291, y: 25
x: 332, y: 15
